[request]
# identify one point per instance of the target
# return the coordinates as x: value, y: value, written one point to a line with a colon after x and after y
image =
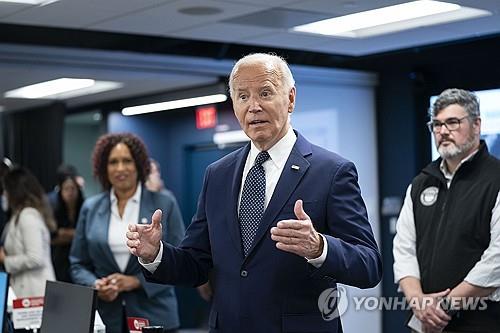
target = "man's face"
x: 458, y: 143
x: 261, y: 103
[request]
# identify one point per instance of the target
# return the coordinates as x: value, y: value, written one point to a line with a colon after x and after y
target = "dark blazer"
x: 271, y: 290
x: 91, y: 258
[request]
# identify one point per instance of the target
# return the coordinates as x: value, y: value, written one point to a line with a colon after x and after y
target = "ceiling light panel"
x: 391, y: 19
x: 31, y: 2
x: 62, y: 88
x: 175, y: 104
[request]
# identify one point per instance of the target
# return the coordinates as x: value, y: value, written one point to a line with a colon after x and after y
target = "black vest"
x: 453, y: 229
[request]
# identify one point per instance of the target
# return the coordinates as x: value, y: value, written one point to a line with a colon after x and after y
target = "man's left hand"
x: 298, y: 236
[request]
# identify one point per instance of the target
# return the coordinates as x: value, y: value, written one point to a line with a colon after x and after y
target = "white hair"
x: 259, y: 58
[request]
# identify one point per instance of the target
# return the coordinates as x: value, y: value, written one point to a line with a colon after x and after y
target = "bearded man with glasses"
x: 447, y: 245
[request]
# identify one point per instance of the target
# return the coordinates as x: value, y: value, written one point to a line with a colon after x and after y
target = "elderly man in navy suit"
x: 278, y: 221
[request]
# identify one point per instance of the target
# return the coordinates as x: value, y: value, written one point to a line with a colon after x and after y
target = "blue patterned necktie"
x: 252, y: 201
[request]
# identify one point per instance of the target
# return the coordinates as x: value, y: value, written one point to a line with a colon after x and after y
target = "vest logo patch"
x: 429, y: 196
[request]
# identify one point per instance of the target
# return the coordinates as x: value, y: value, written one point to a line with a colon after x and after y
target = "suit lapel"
x: 288, y: 181
x: 102, y: 231
x: 232, y: 218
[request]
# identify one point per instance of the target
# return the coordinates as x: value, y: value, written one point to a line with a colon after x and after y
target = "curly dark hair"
x: 106, y: 143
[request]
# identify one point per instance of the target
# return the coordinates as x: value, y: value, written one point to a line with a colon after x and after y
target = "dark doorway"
x: 193, y: 310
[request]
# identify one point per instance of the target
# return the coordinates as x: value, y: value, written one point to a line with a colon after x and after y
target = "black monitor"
x: 68, y: 308
x: 4, y: 291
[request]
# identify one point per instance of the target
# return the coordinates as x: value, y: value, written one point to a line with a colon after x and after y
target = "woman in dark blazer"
x: 99, y: 256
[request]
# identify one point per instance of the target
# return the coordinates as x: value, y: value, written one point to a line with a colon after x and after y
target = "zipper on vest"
x: 441, y: 219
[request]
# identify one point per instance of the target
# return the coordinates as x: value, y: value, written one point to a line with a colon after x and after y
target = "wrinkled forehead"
x: 451, y: 111
x: 258, y: 73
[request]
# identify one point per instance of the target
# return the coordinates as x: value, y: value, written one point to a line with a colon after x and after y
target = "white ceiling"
x: 163, y: 18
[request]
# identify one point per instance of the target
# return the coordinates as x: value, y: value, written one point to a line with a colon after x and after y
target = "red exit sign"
x: 206, y: 117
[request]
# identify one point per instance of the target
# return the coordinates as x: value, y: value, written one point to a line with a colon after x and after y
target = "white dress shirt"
x: 486, y: 272
x: 118, y: 226
x: 273, y: 167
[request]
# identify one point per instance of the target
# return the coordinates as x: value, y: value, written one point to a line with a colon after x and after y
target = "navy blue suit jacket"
x: 271, y: 290
x: 91, y: 258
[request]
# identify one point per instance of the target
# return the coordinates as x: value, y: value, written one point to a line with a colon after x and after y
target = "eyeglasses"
x: 451, y: 124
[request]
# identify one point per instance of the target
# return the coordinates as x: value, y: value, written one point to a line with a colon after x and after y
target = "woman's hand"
x: 64, y: 236
x: 124, y: 282
x: 106, y: 290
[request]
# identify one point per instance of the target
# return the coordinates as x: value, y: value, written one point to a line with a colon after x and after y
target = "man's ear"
x: 291, y: 99
x: 477, y: 125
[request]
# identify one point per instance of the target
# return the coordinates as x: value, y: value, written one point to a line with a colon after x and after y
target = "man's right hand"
x: 430, y: 313
x: 143, y: 240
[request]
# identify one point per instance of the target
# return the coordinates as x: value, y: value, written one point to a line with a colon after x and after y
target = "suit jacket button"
x: 243, y: 273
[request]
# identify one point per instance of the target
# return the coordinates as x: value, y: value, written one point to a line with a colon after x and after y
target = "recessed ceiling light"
x: 62, y: 88
x: 349, y: 4
x: 176, y: 104
x: 31, y: 2
x: 97, y: 116
x: 200, y: 10
x: 391, y: 19
x: 98, y: 87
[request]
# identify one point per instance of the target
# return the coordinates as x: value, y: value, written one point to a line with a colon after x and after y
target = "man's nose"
x: 254, y: 105
x: 444, y: 129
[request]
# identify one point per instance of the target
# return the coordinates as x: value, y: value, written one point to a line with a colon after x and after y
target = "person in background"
x: 5, y: 166
x: 66, y: 206
x: 99, y: 256
x: 155, y: 183
x: 26, y: 252
x: 447, y: 244
x: 62, y: 172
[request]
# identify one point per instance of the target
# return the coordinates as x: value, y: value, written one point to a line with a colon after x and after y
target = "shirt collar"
x: 280, y: 151
x: 135, y: 198
x: 444, y: 168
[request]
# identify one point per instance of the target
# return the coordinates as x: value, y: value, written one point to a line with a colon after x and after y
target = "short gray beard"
x: 454, y: 151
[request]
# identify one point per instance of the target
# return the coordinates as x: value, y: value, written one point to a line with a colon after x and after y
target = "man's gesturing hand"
x: 143, y: 240
x: 298, y: 236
